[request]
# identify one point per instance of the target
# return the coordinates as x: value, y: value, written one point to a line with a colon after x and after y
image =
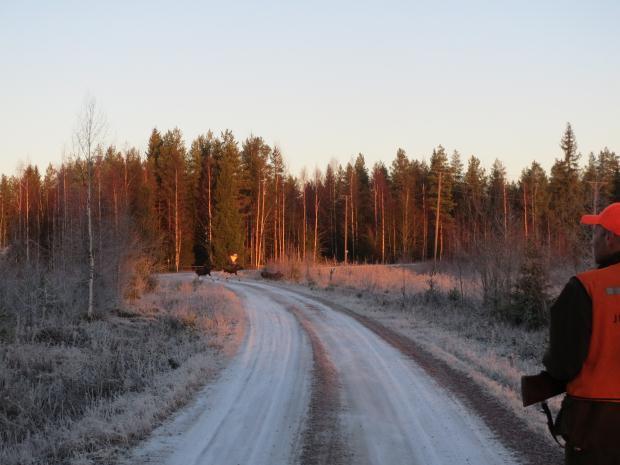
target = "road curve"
x: 262, y: 409
x: 393, y: 413
x: 254, y: 413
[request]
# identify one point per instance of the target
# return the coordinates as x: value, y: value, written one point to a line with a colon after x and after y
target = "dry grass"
x: 401, y: 280
x: 79, y: 392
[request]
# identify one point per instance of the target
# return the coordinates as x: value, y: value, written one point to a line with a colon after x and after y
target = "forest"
x: 197, y: 205
x: 81, y: 241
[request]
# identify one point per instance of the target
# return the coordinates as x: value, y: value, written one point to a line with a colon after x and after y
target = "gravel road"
x: 311, y: 385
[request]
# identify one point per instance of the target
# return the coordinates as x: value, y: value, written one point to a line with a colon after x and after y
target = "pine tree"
x: 380, y: 188
x: 534, y: 201
x: 497, y: 198
x: 440, y: 191
x: 607, y: 166
x: 330, y: 223
x: 403, y: 188
x: 254, y: 157
x: 174, y: 196
x: 474, y: 199
x: 276, y: 168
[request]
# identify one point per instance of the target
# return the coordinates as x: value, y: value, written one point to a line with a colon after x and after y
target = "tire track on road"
x: 393, y: 411
x: 322, y: 439
x: 530, y: 447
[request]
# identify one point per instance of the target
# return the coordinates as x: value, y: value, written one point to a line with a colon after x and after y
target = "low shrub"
x: 58, y: 377
x: 529, y: 299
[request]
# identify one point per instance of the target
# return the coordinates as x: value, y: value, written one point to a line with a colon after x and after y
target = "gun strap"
x: 550, y: 424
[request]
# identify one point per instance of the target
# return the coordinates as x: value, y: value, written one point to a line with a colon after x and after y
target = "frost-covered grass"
x: 80, y: 392
x: 431, y: 309
x: 401, y: 280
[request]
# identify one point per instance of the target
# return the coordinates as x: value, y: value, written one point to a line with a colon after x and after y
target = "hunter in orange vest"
x: 584, y: 350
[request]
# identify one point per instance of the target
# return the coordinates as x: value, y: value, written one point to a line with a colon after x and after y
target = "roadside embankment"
x: 83, y: 391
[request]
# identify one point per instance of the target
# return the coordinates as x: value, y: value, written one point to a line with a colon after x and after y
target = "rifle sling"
x: 550, y: 425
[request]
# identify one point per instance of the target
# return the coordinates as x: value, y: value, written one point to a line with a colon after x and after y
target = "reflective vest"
x: 599, y: 378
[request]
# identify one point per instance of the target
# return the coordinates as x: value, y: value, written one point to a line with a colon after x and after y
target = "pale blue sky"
x: 323, y: 80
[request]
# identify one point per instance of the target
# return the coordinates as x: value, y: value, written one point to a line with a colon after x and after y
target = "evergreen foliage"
x: 198, y: 206
x: 227, y: 223
x: 529, y: 299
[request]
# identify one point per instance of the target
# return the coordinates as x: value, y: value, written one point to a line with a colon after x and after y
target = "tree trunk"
x: 209, y: 203
x: 261, y: 249
x: 256, y: 231
x: 316, y: 220
x: 376, y: 232
x: 505, y: 213
x: 91, y: 256
x: 525, y: 212
x: 382, y: 229
x: 177, y: 228
x: 437, y: 215
x: 305, y: 224
x: 424, y: 224
x: 346, y: 228
x: 276, y: 220
x: 27, y: 221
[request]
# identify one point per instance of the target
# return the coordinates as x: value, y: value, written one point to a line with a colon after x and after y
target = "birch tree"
x: 90, y: 130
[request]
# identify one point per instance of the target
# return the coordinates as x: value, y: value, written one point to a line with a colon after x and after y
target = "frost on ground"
x: 83, y: 392
x: 254, y: 413
x: 433, y: 313
x: 311, y: 385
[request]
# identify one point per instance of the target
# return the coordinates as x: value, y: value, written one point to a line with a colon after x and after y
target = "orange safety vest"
x: 599, y: 378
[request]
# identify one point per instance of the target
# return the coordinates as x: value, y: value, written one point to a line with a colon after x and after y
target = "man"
x: 584, y: 350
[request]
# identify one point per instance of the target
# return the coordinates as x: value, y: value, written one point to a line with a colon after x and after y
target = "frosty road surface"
x: 261, y: 410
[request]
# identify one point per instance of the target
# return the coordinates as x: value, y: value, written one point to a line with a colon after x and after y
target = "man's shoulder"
x: 576, y: 283
x: 597, y: 275
x: 574, y: 293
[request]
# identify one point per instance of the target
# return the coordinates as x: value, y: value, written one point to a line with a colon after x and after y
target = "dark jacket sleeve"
x: 569, y: 332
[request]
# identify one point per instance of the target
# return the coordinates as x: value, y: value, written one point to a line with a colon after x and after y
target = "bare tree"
x: 317, y: 182
x: 90, y: 130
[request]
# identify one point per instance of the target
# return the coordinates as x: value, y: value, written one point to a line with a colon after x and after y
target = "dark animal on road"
x: 203, y: 270
x: 232, y: 268
x: 269, y: 275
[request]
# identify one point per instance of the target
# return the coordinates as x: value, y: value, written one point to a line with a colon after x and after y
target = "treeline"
x: 200, y: 204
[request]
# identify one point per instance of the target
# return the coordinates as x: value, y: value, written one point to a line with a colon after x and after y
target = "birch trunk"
x: 91, y: 255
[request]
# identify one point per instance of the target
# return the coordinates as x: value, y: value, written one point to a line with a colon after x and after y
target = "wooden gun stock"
x: 540, y: 387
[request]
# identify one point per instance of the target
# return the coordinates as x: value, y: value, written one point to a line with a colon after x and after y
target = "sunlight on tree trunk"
x: 91, y: 126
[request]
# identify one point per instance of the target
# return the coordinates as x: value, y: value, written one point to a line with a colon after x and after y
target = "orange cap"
x: 609, y: 218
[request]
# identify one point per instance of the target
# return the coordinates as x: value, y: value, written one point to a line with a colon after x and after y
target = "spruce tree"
x: 529, y: 300
x: 566, y: 196
x: 227, y: 221
x: 203, y: 175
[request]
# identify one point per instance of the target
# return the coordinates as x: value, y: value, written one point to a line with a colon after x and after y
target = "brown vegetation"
x: 73, y: 388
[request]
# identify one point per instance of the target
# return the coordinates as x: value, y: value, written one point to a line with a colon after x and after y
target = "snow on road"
x: 390, y: 411
x: 254, y: 413
x: 393, y: 412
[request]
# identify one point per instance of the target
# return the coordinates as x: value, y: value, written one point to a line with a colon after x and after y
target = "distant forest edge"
x: 199, y: 205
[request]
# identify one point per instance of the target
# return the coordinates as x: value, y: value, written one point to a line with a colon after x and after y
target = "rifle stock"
x: 540, y: 387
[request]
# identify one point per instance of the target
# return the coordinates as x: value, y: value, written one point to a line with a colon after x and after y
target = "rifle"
x: 540, y: 387
x: 537, y: 389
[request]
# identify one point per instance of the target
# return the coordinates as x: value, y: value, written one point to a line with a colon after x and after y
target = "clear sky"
x: 323, y: 80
